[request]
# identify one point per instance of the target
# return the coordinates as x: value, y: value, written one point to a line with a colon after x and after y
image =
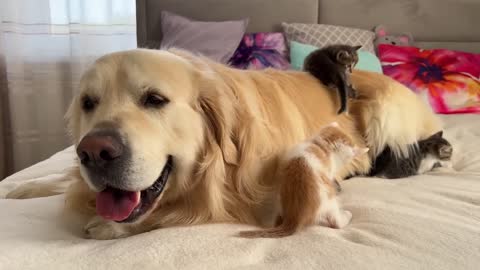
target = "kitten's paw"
x: 338, y: 220
x: 344, y: 219
x: 101, y: 229
x: 333, y: 86
x: 351, y: 92
x: 447, y: 164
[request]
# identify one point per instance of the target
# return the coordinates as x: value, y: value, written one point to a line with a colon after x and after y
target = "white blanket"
x: 424, y: 222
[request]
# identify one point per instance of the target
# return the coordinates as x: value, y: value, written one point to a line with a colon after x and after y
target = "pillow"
x: 298, y: 52
x: 322, y: 35
x: 261, y: 50
x: 448, y: 80
x: 216, y: 40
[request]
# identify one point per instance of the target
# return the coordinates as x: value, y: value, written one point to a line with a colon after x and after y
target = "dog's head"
x: 139, y: 123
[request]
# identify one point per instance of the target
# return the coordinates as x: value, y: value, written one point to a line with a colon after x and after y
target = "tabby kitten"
x: 307, y: 192
x: 332, y: 65
x: 435, y: 151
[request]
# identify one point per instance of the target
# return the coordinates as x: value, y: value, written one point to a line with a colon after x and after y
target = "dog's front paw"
x: 24, y: 191
x: 38, y: 188
x: 101, y: 229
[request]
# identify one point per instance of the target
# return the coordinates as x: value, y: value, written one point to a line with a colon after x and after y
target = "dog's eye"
x: 153, y: 100
x: 88, y: 103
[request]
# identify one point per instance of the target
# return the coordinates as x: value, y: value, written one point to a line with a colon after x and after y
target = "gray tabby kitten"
x: 430, y: 153
x: 332, y: 65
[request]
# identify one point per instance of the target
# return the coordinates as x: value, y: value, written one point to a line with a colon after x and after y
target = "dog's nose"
x: 98, y: 150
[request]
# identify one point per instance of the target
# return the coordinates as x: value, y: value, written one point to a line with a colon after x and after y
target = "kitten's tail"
x: 342, y: 92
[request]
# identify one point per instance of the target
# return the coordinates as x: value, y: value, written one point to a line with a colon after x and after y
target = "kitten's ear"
x: 358, y: 47
x: 438, y: 134
x: 360, y: 150
x: 342, y: 55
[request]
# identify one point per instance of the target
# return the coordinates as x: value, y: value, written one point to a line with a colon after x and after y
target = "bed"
x: 430, y: 221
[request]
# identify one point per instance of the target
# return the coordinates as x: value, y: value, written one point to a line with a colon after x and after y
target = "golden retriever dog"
x: 166, y: 138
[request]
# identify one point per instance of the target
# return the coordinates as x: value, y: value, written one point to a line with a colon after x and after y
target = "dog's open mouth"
x: 126, y: 206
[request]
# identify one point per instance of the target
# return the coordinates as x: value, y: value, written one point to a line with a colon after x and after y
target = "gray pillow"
x: 321, y: 35
x: 216, y: 40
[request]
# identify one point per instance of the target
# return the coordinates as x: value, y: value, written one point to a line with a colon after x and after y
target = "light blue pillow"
x: 299, y: 51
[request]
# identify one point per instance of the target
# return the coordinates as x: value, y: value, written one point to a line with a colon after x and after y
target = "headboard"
x: 452, y: 24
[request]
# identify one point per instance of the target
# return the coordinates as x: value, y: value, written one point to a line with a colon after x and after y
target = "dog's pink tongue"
x: 117, y: 205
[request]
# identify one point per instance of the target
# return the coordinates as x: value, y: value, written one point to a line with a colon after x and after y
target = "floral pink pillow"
x: 261, y: 50
x: 449, y: 80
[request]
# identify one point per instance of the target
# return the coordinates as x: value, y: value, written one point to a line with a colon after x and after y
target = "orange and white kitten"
x: 307, y: 191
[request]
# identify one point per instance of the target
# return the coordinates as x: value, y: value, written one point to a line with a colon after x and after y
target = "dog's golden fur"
x: 227, y: 129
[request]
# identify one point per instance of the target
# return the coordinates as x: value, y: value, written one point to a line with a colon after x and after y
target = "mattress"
x: 430, y: 221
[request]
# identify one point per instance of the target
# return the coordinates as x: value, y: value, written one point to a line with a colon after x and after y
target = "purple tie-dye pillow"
x: 261, y: 50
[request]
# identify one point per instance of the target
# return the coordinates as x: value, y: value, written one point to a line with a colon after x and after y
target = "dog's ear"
x: 218, y: 111
x: 220, y: 125
x: 214, y: 104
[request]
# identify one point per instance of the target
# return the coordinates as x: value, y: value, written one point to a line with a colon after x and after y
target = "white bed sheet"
x: 424, y: 222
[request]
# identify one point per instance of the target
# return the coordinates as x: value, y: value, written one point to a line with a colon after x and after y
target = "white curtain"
x: 45, y: 45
